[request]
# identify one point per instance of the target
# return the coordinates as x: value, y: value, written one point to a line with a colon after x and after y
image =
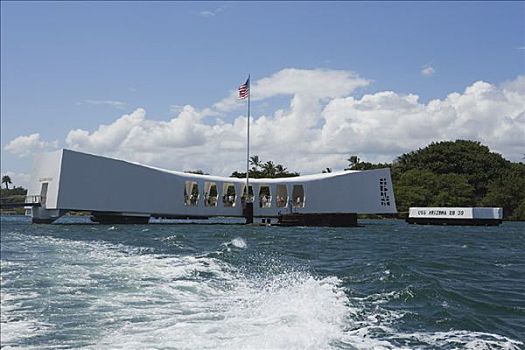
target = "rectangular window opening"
x: 250, y: 194
x: 210, y: 194
x: 298, y: 198
x: 191, y: 193
x: 228, y: 195
x: 265, y: 198
x: 282, y: 196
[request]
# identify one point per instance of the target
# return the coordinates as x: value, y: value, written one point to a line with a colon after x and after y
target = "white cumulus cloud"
x: 315, y: 84
x: 27, y: 145
x: 106, y: 137
x: 321, y: 126
x: 387, y: 123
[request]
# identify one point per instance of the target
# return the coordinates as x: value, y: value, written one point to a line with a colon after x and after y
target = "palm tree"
x: 256, y: 162
x: 269, y: 169
x: 280, y: 169
x: 354, y: 160
x: 6, y: 180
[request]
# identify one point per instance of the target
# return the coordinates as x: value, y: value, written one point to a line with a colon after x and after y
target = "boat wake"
x: 101, y: 295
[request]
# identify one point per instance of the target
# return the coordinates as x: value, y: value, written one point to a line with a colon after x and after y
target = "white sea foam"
x: 385, y: 337
x: 136, y: 300
x: 15, y: 330
x: 13, y: 327
x: 374, y: 328
x: 466, y: 340
x: 238, y: 243
x: 290, y: 311
x: 133, y: 300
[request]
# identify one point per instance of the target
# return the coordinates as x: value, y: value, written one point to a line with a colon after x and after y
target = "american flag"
x: 244, y: 90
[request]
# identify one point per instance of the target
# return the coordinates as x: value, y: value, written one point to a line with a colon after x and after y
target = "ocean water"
x: 385, y: 285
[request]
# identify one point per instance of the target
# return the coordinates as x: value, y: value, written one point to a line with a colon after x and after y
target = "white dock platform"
x: 455, y: 216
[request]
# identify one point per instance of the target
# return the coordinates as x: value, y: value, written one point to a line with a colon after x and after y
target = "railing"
x: 35, y: 199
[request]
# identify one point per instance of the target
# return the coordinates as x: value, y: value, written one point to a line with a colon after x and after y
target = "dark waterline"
x: 386, y: 284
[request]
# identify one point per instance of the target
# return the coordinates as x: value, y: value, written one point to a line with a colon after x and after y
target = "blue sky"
x: 77, y: 65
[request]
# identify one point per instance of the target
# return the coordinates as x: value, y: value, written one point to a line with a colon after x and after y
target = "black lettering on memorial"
x: 383, y: 191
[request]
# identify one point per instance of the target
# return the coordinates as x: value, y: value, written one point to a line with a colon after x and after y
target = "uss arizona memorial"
x: 117, y: 191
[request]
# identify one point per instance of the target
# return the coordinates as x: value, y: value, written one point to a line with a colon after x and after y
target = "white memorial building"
x: 117, y: 191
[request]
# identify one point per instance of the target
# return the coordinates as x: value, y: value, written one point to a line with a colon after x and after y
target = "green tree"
x: 462, y: 157
x: 280, y: 169
x: 15, y: 191
x: 256, y: 162
x: 354, y: 161
x: 507, y: 191
x: 357, y: 164
x: 6, y: 180
x: 453, y: 190
x: 519, y: 212
x: 415, y: 188
x: 269, y: 169
x: 421, y: 188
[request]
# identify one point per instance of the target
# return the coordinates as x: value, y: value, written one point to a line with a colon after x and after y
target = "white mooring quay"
x: 117, y: 191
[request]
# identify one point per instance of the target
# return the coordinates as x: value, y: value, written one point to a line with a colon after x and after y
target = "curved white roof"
x: 302, y: 178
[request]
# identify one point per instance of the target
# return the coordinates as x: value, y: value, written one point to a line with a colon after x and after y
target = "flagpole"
x: 247, y: 210
x: 248, y: 147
